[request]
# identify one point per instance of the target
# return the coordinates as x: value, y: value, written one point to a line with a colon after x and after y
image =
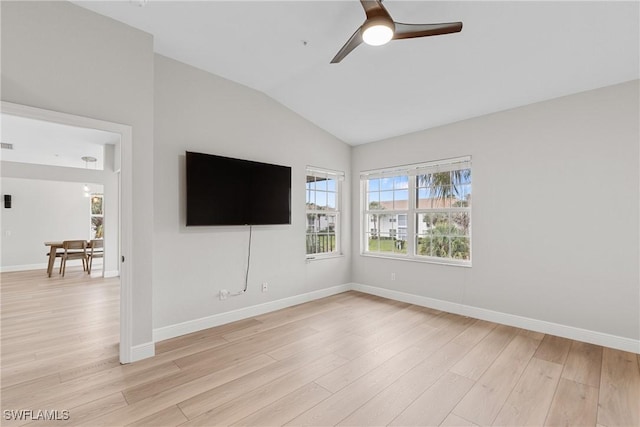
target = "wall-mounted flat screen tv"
x: 228, y: 191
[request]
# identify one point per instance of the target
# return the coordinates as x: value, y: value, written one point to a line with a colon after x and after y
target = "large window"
x: 419, y: 212
x: 323, y: 196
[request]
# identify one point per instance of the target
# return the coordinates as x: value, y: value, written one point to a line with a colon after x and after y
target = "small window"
x: 96, y: 212
x: 323, y: 196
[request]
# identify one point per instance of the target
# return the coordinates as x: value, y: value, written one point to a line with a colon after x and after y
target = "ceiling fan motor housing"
x: 379, y: 20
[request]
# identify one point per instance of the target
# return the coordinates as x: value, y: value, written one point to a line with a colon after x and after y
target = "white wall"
x: 197, y: 111
x: 61, y: 57
x: 100, y: 181
x: 555, y: 212
x: 41, y: 211
x: 111, y: 220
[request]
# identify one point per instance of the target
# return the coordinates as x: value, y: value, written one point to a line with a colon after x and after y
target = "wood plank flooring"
x: 351, y: 359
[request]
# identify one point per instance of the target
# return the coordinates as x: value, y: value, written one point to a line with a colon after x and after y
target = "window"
x: 387, y: 202
x: 323, y: 198
x: 97, y: 216
x: 419, y: 212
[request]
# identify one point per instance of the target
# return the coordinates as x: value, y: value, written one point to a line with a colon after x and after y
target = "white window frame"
x: 412, y: 211
x: 338, y: 176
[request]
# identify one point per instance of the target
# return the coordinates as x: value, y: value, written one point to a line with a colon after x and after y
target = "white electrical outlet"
x: 265, y: 287
x: 393, y: 276
x: 223, y: 294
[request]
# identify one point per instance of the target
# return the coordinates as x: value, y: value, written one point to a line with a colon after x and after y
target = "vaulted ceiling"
x: 508, y: 54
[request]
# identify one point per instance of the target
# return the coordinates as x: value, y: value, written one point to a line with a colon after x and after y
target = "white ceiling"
x: 508, y: 54
x: 47, y: 143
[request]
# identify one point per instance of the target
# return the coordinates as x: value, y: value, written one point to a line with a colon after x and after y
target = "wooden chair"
x: 96, y: 250
x: 73, y: 249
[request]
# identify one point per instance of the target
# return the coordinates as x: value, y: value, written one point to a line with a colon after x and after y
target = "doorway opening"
x: 113, y: 182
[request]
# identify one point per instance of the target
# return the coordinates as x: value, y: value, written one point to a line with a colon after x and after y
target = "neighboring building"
x: 394, y: 225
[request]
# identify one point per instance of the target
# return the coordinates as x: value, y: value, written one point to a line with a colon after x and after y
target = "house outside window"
x: 419, y: 212
x: 323, y: 198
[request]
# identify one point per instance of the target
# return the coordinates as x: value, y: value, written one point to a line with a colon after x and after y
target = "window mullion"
x: 338, y: 229
x: 411, y: 218
x: 364, y: 188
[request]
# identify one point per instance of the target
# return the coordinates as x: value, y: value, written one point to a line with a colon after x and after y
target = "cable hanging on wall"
x: 246, y: 276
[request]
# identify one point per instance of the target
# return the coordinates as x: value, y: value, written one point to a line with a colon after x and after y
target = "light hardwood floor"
x: 350, y: 359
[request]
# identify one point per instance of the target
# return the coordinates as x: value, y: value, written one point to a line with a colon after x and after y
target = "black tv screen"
x: 228, y: 191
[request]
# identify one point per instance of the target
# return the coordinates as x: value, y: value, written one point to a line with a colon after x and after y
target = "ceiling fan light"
x: 377, y: 35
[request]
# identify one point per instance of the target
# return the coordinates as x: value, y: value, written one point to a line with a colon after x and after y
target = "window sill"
x: 466, y: 264
x: 321, y: 257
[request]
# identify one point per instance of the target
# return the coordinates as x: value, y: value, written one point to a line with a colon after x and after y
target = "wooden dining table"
x: 53, y: 249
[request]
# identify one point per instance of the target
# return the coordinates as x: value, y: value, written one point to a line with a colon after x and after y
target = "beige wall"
x: 25, y: 227
x: 555, y: 212
x: 197, y: 111
x: 20, y: 253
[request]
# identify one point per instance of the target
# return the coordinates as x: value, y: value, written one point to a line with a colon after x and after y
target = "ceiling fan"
x: 379, y: 28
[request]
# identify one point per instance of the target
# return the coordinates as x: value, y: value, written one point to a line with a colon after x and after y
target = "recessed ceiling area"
x: 508, y: 54
x: 47, y: 143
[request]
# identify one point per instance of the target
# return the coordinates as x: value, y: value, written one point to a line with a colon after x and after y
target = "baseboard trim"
x: 172, y: 331
x: 111, y: 273
x: 142, y: 351
x: 571, y: 332
x: 40, y: 266
x: 25, y: 267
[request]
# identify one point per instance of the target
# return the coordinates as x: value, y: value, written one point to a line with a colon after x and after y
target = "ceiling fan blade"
x: 374, y: 9
x: 409, y: 31
x: 351, y: 44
